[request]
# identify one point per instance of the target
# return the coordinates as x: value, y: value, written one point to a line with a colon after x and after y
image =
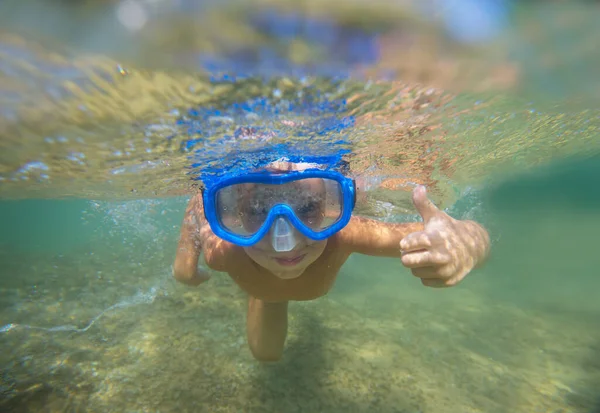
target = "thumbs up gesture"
x: 447, y: 249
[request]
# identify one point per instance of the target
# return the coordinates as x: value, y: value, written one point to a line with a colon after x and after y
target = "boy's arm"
x: 372, y: 237
x: 196, y: 237
x: 189, y: 247
x: 441, y: 251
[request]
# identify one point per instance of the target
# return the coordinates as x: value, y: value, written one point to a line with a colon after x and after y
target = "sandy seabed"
x: 384, y: 345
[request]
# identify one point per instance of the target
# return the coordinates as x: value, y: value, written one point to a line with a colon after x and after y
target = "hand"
x: 191, y: 278
x: 446, y: 250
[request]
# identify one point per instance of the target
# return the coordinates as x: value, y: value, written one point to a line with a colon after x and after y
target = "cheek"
x: 264, y: 245
x: 317, y: 248
x: 261, y: 250
x: 255, y: 255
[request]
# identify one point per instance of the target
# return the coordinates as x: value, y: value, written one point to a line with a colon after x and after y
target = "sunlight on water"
x: 110, y: 110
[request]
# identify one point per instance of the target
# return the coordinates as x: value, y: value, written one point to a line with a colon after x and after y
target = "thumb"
x: 425, y: 207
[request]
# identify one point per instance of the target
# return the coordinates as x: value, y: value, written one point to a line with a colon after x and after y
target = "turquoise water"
x: 100, y: 326
x: 91, y: 319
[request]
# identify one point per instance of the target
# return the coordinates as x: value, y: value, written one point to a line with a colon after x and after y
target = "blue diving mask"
x: 283, y: 238
x: 244, y: 209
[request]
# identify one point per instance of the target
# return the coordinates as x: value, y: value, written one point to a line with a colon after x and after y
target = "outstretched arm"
x: 441, y: 251
x: 377, y: 238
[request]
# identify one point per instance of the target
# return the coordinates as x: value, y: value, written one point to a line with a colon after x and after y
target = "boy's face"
x: 286, y: 265
x: 307, y: 198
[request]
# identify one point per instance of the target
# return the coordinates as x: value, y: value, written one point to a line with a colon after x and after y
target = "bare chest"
x: 316, y: 281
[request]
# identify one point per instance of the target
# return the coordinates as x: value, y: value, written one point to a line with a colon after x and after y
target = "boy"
x: 283, y: 234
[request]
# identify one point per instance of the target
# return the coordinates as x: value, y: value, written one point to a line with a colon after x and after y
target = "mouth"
x: 291, y: 261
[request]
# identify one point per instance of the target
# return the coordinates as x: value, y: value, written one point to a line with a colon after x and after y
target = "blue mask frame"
x: 347, y: 186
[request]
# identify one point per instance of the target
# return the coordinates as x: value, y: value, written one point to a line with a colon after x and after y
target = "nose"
x: 283, y: 235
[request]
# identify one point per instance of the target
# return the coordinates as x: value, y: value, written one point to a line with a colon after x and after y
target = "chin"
x: 289, y: 274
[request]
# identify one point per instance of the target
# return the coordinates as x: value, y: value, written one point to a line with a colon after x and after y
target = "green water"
x: 520, y: 335
x: 92, y: 321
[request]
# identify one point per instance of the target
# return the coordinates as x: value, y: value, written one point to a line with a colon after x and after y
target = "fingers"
x: 421, y: 249
x: 420, y: 259
x: 431, y: 267
x: 435, y: 283
x: 416, y: 241
x: 424, y: 206
x: 432, y: 277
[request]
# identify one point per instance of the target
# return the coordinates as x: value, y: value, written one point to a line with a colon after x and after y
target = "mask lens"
x: 320, y: 207
x: 238, y: 215
x: 242, y: 209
